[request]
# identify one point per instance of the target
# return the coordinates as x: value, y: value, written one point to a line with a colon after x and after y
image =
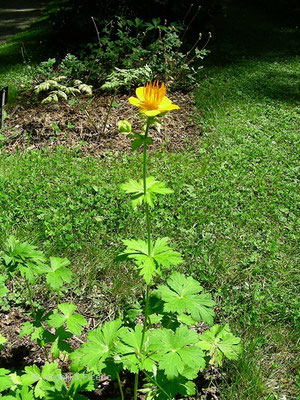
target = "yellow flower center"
x: 153, y: 95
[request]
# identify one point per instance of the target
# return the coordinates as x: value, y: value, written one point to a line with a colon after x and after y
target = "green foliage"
x: 42, y: 379
x: 220, y: 342
x: 178, y: 353
x: 22, y: 258
x: 130, y: 52
x: 181, y: 295
x: 74, y: 322
x: 126, y: 78
x: 2, y: 341
x: 149, y: 263
x: 60, y: 87
x: 100, y: 347
x: 5, y: 380
x: 57, y: 273
x: 136, y: 189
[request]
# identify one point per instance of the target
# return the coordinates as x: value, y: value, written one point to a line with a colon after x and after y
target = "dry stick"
x: 191, y: 21
x: 109, y: 110
x: 100, y: 45
x: 193, y: 58
x: 209, y: 37
x: 189, y: 10
x: 91, y: 120
x: 114, y: 96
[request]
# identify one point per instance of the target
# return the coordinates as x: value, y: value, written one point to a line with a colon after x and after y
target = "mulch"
x: 34, y: 126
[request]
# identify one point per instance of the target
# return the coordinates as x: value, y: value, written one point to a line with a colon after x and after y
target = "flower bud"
x: 124, y: 126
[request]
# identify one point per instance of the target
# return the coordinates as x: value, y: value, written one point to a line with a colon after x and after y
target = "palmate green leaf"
x: 58, y: 273
x: 75, y: 322
x: 21, y: 394
x: 178, y: 351
x: 42, y: 379
x: 36, y: 329
x: 59, y: 342
x: 99, y: 347
x: 220, y: 342
x: 79, y: 383
x: 22, y: 257
x: 129, y: 349
x: 149, y: 264
x: 136, y: 189
x: 5, y: 380
x: 172, y: 387
x: 183, y: 295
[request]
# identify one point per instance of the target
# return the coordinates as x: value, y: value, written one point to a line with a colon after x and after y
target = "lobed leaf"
x: 74, y: 322
x: 182, y: 295
x: 58, y: 274
x: 136, y: 189
x: 178, y: 351
x: 220, y: 343
x: 149, y: 264
x: 99, y: 347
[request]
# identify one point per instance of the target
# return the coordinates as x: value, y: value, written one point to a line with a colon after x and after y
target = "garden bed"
x: 81, y: 123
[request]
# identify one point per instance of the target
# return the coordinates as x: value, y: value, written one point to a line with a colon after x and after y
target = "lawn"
x: 234, y: 215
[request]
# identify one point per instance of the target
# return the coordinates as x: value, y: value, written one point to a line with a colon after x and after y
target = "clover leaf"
x: 182, y: 295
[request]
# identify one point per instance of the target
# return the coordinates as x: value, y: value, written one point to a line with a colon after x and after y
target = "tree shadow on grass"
x: 277, y: 85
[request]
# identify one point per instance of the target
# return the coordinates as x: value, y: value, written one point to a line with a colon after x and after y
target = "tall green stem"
x: 148, y: 225
x: 120, y: 386
x: 136, y: 383
x: 145, y: 185
x: 149, y: 249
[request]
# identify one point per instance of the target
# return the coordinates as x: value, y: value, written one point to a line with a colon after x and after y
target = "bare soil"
x: 34, y: 126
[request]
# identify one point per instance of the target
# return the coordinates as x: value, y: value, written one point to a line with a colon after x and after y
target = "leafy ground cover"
x: 233, y: 215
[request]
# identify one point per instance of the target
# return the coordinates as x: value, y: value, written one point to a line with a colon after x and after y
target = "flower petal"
x: 165, y: 102
x: 149, y: 113
x: 168, y: 107
x: 134, y: 101
x: 140, y: 93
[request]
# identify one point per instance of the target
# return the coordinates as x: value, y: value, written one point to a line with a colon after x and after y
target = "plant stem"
x: 145, y: 186
x: 120, y: 386
x: 157, y: 384
x: 30, y: 296
x: 136, y: 382
x: 149, y: 249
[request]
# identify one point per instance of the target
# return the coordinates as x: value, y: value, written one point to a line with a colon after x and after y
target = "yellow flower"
x: 151, y: 99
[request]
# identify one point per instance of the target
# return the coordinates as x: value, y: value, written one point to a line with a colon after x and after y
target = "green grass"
x: 233, y: 215
x: 25, y: 48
